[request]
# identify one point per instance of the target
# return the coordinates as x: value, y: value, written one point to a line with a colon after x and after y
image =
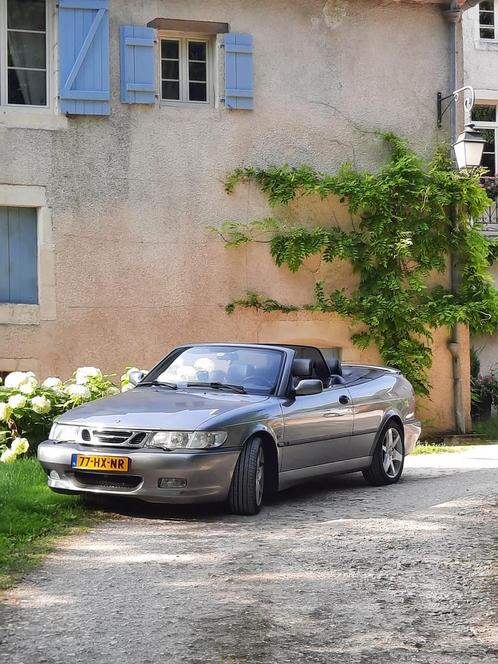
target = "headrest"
x: 335, y: 366
x: 302, y: 368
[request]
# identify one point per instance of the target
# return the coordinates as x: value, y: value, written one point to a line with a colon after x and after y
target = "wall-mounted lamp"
x: 469, y: 146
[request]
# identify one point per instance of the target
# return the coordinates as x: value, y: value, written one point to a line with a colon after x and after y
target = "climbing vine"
x: 411, y: 215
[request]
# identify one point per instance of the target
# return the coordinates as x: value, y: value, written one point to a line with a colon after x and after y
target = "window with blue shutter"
x: 84, y: 57
x: 239, y: 92
x: 138, y: 65
x: 18, y: 256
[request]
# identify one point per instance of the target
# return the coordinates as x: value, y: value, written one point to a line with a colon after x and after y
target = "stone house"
x: 480, y: 35
x: 118, y: 123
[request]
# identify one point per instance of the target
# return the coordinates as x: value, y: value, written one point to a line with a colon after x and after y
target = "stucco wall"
x: 131, y: 195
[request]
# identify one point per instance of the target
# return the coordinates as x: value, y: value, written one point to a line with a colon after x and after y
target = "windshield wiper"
x: 160, y: 383
x: 220, y: 386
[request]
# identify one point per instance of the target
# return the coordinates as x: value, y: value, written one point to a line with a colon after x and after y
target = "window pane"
x: 169, y: 49
x: 27, y: 87
x: 197, y: 92
x: 487, y: 18
x: 197, y: 71
x: 487, y: 5
x: 26, y: 14
x: 488, y: 162
x: 170, y: 69
x: 26, y: 49
x: 171, y: 90
x: 487, y: 33
x: 484, y: 113
x: 197, y: 51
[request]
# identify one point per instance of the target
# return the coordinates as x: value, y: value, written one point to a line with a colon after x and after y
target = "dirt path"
x: 332, y: 572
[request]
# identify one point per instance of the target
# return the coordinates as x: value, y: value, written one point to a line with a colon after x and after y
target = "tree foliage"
x: 412, y: 215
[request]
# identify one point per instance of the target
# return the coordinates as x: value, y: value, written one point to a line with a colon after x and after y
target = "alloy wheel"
x: 392, y: 453
x: 260, y: 476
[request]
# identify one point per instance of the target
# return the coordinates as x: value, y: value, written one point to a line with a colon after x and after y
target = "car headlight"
x: 63, y: 432
x: 196, y: 440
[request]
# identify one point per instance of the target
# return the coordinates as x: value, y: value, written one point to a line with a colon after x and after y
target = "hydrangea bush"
x: 28, y: 408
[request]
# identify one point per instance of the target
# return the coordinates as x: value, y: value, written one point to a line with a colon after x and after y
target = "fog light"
x: 171, y: 483
x: 54, y: 475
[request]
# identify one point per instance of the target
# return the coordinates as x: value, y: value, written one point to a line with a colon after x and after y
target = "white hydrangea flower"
x: 112, y: 390
x: 14, y: 379
x: 17, y: 401
x: 28, y: 385
x: 5, y: 412
x: 84, y: 373
x: 52, y: 383
x: 41, y: 405
x: 80, y: 391
x: 127, y: 387
x: 19, y: 446
x: 8, y: 456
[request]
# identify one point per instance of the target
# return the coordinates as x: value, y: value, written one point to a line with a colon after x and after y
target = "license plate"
x: 113, y: 464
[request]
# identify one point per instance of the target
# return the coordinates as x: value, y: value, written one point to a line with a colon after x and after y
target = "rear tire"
x: 388, y: 458
x: 246, y: 490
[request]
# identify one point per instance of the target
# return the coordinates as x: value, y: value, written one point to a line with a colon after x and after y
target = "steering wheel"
x: 257, y: 381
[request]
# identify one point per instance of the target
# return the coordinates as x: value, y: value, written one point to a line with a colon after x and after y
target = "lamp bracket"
x: 468, y: 102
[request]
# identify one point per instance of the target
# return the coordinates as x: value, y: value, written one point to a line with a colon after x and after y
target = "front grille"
x: 108, y: 480
x: 113, y: 437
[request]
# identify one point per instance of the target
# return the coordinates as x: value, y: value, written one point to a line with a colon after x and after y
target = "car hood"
x: 159, y: 408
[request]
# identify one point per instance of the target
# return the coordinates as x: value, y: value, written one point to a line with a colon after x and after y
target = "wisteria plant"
x: 28, y: 408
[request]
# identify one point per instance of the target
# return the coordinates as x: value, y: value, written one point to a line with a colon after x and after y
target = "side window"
x: 320, y: 369
x: 18, y: 255
x: 186, y: 70
x: 23, y: 38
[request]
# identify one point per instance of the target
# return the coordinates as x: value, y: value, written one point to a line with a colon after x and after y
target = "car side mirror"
x: 308, y: 387
x: 136, y: 376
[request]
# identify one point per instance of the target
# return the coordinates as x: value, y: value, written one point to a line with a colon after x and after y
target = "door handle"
x: 344, y: 399
x: 336, y: 413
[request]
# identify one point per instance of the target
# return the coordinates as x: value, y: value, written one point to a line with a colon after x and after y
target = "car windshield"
x: 256, y: 370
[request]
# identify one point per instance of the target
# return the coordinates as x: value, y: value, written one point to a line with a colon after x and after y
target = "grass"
x: 489, y: 428
x: 425, y: 448
x: 32, y: 517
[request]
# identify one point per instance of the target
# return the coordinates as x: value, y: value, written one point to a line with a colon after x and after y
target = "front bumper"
x: 413, y: 429
x: 208, y: 473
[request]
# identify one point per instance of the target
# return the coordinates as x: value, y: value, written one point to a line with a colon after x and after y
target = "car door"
x: 317, y: 428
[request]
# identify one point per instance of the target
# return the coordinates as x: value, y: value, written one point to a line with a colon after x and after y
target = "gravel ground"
x: 331, y: 572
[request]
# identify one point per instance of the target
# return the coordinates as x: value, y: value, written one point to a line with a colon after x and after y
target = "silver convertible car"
x: 234, y: 422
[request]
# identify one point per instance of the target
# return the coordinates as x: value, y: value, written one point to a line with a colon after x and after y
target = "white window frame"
x: 480, y: 124
x: 4, y: 59
x: 495, y: 27
x: 184, y: 39
x: 22, y: 115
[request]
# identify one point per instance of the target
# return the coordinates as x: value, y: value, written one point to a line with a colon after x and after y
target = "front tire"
x: 246, y: 490
x: 388, y: 458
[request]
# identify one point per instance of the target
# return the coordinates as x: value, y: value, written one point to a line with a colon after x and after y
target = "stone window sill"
x: 19, y: 314
x: 31, y: 118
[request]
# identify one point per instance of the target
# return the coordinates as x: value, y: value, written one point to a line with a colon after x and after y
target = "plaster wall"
x: 131, y: 195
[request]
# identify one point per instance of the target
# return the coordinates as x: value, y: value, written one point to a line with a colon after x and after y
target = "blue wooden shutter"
x: 138, y: 65
x: 239, y: 93
x: 18, y: 255
x: 84, y: 57
x: 4, y: 256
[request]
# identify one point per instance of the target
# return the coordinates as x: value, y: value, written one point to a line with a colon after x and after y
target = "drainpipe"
x: 453, y: 15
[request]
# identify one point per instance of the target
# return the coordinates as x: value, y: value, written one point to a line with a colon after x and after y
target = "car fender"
x: 391, y: 413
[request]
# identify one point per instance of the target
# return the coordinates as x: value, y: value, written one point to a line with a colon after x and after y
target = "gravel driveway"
x: 331, y: 572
